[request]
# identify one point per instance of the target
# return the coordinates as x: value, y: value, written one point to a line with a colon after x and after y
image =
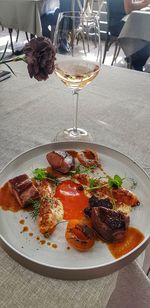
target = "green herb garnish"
x: 39, y: 174
x: 93, y: 184
x: 115, y: 182
x: 82, y: 170
x: 52, y: 179
x: 36, y: 207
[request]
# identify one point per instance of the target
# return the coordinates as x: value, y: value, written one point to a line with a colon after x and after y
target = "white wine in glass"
x: 78, y: 59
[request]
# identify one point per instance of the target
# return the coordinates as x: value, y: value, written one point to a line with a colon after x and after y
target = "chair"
x: 10, y: 30
x: 110, y: 38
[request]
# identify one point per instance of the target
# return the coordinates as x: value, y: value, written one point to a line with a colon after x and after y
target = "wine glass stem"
x: 75, y: 110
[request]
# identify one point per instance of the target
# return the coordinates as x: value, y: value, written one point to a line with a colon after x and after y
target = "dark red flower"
x: 40, y: 57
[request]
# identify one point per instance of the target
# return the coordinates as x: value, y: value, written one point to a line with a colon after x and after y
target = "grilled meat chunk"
x: 23, y: 189
x: 88, y: 158
x: 46, y: 219
x: 60, y: 161
x: 120, y: 195
x: 44, y: 188
x: 96, y: 202
x: 109, y: 224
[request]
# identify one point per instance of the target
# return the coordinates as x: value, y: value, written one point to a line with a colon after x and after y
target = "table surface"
x: 115, y: 109
x: 135, y: 34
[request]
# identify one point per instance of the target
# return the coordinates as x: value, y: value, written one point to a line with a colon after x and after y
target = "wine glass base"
x: 70, y: 135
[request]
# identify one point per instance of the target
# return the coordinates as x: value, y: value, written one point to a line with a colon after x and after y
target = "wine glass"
x: 78, y: 59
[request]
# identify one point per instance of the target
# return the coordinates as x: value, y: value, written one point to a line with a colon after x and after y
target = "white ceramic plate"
x: 60, y: 262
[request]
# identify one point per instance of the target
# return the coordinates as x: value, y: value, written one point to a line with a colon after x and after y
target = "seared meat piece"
x: 44, y: 188
x: 120, y: 195
x: 109, y: 224
x: 88, y: 211
x: 96, y: 202
x: 60, y: 161
x: 88, y: 158
x: 46, y: 219
x: 23, y: 189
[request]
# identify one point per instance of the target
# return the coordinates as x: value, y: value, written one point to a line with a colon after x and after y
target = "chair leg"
x: 11, y: 40
x: 27, y: 37
x: 129, y: 63
x: 105, y: 48
x: 17, y: 36
x: 116, y: 53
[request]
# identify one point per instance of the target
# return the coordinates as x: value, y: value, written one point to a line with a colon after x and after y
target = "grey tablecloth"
x: 22, y: 15
x: 136, y: 32
x: 116, y: 109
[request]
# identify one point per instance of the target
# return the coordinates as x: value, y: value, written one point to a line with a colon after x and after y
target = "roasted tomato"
x: 88, y: 158
x: 80, y: 235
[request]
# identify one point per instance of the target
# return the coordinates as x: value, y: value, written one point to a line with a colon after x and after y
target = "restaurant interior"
x: 65, y: 63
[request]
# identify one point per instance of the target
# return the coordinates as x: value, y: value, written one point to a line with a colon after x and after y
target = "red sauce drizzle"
x: 54, y: 173
x: 54, y: 246
x: 7, y: 201
x: 42, y: 242
x: 73, y: 153
x: 22, y: 221
x: 133, y: 238
x: 74, y: 201
x: 25, y: 229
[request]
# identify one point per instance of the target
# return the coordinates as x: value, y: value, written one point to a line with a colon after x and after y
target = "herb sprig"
x: 41, y: 174
x: 79, y: 170
x: 94, y: 184
x: 115, y: 182
x: 36, y: 207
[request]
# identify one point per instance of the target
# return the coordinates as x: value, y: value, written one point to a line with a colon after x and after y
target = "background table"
x: 23, y: 14
x: 135, y: 34
x: 116, y: 109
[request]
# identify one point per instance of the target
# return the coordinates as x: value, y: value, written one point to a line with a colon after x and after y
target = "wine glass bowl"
x: 78, y: 59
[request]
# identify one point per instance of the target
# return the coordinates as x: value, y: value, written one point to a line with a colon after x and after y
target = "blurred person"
x: 117, y: 10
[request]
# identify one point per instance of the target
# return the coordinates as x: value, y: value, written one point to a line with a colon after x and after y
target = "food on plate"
x: 73, y: 198
x: 44, y: 188
x: 132, y: 238
x: 80, y: 234
x: 111, y: 225
x: 76, y: 189
x: 46, y: 220
x: 88, y: 158
x: 104, y: 201
x: 49, y: 211
x: 23, y: 189
x: 118, y: 194
x: 60, y: 160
